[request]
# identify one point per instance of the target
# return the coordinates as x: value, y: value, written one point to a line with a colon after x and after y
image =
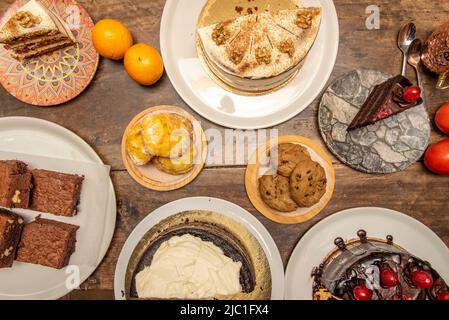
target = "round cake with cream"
x: 187, y: 267
x: 259, y: 51
x: 198, y: 255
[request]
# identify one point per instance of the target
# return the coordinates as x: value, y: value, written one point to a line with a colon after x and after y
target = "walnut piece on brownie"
x: 48, y: 243
x: 56, y: 193
x: 15, y: 184
x: 11, y: 226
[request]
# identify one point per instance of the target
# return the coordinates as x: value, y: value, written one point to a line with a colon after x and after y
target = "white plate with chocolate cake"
x: 217, y: 72
x: 56, y: 190
x: 199, y: 248
x: 368, y: 253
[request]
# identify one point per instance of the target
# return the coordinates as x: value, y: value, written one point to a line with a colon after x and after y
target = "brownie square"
x: 15, y: 184
x: 11, y: 226
x: 48, y: 243
x: 55, y: 192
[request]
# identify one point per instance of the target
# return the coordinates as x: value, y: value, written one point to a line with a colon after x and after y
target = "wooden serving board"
x: 255, y: 170
x: 148, y: 175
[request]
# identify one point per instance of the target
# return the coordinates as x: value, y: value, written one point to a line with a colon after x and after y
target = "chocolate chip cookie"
x: 289, y: 155
x: 308, y: 183
x: 275, y: 192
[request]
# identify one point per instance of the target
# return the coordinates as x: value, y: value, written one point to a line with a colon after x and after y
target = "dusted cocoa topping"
x: 286, y: 46
x: 11, y: 226
x: 48, y: 243
x: 369, y: 269
x: 15, y: 184
x: 56, y: 193
x: 263, y: 55
x: 238, y: 9
x: 304, y: 19
x: 220, y: 35
x: 26, y: 19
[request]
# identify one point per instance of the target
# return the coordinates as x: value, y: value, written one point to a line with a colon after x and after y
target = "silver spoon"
x: 414, y: 58
x: 405, y: 39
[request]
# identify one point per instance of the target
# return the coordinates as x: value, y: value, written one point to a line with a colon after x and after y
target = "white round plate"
x: 208, y: 204
x: 318, y: 242
x: 43, y: 138
x: 201, y: 93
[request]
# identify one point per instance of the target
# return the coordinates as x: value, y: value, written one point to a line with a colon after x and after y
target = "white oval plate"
x: 202, y: 94
x: 208, y: 204
x: 43, y: 138
x: 318, y: 242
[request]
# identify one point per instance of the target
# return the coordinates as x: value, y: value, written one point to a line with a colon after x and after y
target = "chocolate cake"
x: 15, y: 184
x: 372, y: 269
x: 386, y: 100
x: 11, y: 226
x: 48, y: 243
x: 55, y: 192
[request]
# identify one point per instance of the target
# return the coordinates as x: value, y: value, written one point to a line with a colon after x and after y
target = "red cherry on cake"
x: 362, y: 293
x: 443, y: 296
x: 422, y: 279
x: 389, y: 278
x: 411, y: 94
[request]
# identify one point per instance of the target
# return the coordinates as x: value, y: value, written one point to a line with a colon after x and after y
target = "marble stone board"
x: 390, y: 145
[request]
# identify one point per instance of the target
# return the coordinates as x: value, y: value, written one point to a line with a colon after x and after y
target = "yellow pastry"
x: 179, y: 165
x: 134, y: 146
x: 166, y: 135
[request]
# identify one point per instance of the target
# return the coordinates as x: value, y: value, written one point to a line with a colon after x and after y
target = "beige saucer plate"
x: 255, y: 170
x: 148, y: 175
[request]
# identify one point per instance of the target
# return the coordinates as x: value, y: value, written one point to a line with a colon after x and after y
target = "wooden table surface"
x: 101, y: 113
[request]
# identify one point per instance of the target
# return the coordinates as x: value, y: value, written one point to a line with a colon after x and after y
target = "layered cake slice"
x: 15, y: 184
x: 34, y: 31
x: 11, y: 226
x: 56, y: 193
x: 47, y: 243
x: 389, y: 98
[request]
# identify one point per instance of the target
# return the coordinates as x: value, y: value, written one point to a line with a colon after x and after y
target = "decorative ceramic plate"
x: 387, y: 146
x: 318, y: 242
x: 61, y: 76
x: 192, y: 81
x: 148, y: 175
x: 218, y: 206
x: 43, y: 138
x: 255, y: 170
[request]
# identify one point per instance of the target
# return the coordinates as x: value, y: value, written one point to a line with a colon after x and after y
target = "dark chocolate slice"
x: 15, y: 184
x: 48, y: 243
x: 11, y: 226
x: 56, y: 193
x: 383, y: 102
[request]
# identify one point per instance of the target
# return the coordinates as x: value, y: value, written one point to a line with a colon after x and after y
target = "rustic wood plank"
x: 103, y: 106
x: 425, y: 201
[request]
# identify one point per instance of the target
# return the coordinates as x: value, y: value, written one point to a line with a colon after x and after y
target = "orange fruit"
x: 144, y: 64
x: 111, y: 38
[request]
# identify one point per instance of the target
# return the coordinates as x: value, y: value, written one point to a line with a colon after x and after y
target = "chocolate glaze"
x: 359, y: 262
x: 383, y: 102
x: 247, y: 276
